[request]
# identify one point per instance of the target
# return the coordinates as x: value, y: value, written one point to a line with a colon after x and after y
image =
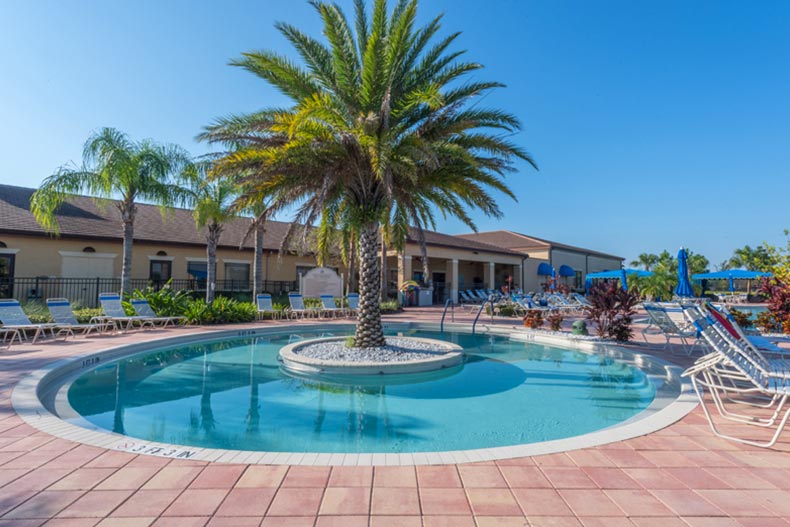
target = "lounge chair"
x: 353, y: 304
x: 113, y: 310
x: 14, y: 318
x: 144, y: 310
x: 668, y: 320
x: 61, y: 312
x: 9, y: 335
x: 297, y: 307
x: 735, y: 368
x: 726, y: 321
x: 328, y: 306
x: 264, y: 304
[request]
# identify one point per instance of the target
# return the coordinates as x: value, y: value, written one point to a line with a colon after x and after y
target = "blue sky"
x: 655, y: 124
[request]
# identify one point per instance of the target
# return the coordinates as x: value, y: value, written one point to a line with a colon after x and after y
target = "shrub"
x: 778, y: 293
x: 390, y: 306
x: 165, y: 302
x: 221, y: 311
x: 507, y: 310
x: 85, y: 314
x: 555, y: 320
x: 612, y: 310
x: 767, y: 322
x: 36, y: 312
x: 741, y: 318
x: 534, y: 318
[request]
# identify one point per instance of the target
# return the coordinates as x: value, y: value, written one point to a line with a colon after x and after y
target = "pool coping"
x: 42, y: 385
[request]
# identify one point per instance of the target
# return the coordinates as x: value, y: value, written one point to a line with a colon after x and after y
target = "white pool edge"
x: 666, y: 408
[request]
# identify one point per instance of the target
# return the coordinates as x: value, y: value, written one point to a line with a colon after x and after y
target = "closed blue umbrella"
x: 731, y: 280
x: 683, y: 288
x: 553, y: 279
x: 623, y: 279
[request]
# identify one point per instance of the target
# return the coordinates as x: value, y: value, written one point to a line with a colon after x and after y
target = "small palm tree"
x: 646, y: 260
x: 380, y: 132
x: 257, y: 229
x: 115, y: 166
x: 212, y: 202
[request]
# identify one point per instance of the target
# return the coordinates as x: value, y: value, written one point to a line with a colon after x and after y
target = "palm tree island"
x: 384, y: 132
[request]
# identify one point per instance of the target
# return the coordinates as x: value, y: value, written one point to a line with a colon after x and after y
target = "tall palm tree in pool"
x: 380, y: 130
x: 115, y: 167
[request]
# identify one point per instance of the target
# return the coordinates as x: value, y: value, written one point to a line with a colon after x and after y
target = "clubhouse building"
x: 85, y: 258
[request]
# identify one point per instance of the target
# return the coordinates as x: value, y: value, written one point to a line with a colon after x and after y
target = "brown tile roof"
x: 513, y: 240
x: 81, y: 217
x: 457, y: 242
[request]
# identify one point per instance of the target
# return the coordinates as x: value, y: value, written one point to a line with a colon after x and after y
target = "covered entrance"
x: 7, y: 262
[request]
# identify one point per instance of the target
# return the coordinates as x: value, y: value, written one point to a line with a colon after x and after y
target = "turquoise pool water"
x: 231, y: 394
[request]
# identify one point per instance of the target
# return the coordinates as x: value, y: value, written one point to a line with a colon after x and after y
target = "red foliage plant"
x: 612, y: 310
x: 778, y: 293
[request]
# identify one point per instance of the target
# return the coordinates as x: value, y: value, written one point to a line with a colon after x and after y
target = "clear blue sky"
x: 656, y: 124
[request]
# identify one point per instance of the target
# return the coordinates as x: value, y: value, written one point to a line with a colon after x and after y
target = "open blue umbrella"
x: 683, y: 288
x: 623, y: 280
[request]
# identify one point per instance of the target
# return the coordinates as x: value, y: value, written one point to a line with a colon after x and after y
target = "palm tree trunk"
x: 257, y: 271
x: 369, y: 333
x: 128, y: 240
x: 383, y: 270
x: 212, y: 240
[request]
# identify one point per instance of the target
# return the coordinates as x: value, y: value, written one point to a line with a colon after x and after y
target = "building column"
x: 490, y: 279
x: 404, y: 272
x: 452, y: 280
x: 517, y: 274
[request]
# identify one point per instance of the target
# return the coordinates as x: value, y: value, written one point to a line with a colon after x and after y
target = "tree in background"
x: 645, y: 260
x: 115, y: 166
x: 380, y: 130
x: 761, y: 258
x: 212, y: 202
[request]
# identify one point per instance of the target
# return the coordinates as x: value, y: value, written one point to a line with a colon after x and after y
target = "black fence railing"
x: 85, y: 291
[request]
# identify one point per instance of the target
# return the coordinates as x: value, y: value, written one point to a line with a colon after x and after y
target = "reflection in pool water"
x: 231, y: 394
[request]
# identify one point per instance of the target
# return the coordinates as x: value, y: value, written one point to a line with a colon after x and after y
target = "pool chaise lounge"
x: 144, y: 310
x: 14, y: 318
x: 61, y: 312
x: 113, y: 310
x: 736, y: 373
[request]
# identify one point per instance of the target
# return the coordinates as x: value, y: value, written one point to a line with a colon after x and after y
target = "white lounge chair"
x: 265, y: 305
x: 329, y: 308
x: 113, y: 310
x: 9, y: 335
x: 735, y: 368
x: 144, y: 310
x: 61, y: 312
x: 353, y: 304
x: 14, y: 318
x: 297, y: 307
x: 667, y: 319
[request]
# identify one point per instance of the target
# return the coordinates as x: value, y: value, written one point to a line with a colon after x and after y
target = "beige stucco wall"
x: 39, y: 256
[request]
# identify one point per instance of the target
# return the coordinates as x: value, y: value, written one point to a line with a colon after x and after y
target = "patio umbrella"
x: 624, y: 279
x: 553, y: 279
x: 683, y: 288
x: 731, y: 280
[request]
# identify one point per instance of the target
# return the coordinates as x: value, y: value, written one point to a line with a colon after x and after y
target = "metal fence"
x: 85, y: 291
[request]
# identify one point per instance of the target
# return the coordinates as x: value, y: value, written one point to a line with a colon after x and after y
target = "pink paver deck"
x: 680, y: 476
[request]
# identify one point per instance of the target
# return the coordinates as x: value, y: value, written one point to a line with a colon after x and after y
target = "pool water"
x: 231, y: 394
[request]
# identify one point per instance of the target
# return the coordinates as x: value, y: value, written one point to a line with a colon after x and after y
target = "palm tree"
x: 646, y: 260
x: 115, y: 166
x: 758, y: 259
x: 212, y: 202
x: 260, y: 214
x: 380, y: 131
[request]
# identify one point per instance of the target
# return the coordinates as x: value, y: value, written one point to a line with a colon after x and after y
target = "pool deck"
x: 681, y: 476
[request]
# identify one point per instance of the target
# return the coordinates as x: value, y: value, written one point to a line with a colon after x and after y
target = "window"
x: 302, y: 270
x: 6, y: 275
x: 578, y: 283
x: 238, y: 272
x: 198, y: 271
x: 160, y: 270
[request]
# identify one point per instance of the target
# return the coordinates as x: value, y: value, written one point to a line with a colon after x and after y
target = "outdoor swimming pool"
x: 232, y: 394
